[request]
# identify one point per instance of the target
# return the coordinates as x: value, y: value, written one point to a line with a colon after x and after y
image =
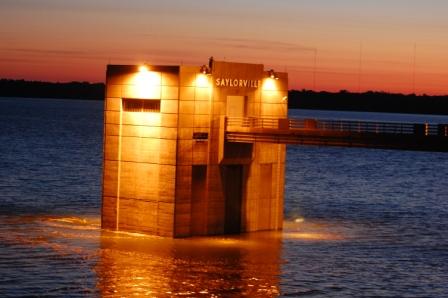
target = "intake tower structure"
x: 168, y: 169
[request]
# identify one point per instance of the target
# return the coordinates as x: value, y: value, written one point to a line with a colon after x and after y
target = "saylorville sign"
x: 227, y: 82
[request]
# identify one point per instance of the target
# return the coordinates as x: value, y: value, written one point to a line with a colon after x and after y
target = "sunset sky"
x: 359, y: 45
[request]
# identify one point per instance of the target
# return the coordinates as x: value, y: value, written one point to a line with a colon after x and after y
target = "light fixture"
x: 204, y: 70
x: 143, y: 68
x: 272, y: 74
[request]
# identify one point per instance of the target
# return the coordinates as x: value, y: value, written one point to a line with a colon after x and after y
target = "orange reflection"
x: 302, y: 229
x: 247, y: 265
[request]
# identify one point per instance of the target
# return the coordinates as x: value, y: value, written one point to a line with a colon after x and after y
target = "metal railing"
x: 420, y: 129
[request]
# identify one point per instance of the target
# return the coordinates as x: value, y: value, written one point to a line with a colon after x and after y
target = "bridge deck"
x: 391, y: 135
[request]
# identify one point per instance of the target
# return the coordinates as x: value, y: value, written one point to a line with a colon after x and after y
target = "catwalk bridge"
x: 370, y: 134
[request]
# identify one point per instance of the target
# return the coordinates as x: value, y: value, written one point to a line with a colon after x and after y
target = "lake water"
x: 359, y: 222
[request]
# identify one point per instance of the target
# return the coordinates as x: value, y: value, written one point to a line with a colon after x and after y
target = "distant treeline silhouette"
x: 369, y: 101
x: 298, y: 99
x: 37, y: 89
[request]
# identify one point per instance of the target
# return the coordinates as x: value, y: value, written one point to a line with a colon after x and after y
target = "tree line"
x: 38, y: 89
x: 369, y: 102
x: 297, y: 99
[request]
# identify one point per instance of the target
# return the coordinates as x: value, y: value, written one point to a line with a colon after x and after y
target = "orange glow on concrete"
x: 202, y: 80
x: 269, y: 84
x: 147, y: 84
x: 137, y: 119
x: 143, y: 68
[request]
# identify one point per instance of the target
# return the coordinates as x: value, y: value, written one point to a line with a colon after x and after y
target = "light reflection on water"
x: 128, y: 264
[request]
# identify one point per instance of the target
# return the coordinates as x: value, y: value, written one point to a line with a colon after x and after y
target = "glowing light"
x: 202, y: 80
x: 147, y: 83
x: 269, y: 84
x: 143, y: 68
x: 299, y: 220
x: 313, y: 236
x: 205, y: 70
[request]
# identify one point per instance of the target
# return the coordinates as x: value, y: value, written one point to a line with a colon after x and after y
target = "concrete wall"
x: 140, y: 151
x: 195, y: 103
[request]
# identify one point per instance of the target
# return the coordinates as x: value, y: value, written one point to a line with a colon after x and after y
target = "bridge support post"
x: 442, y: 130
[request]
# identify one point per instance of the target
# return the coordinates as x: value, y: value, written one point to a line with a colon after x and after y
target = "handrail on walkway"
x: 284, y: 124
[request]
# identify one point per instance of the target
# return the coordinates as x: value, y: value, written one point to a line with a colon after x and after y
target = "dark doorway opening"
x: 232, y: 176
x: 198, y: 200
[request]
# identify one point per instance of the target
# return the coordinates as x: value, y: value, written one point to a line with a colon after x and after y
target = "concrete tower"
x: 168, y: 169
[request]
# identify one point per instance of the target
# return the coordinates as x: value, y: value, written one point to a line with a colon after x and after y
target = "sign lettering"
x: 227, y: 82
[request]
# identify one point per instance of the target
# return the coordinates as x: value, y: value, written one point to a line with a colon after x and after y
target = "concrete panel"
x: 183, y: 180
x: 109, y: 212
x: 271, y: 96
x: 201, y: 121
x: 273, y: 110
x: 111, y: 130
x: 170, y: 79
x: 189, y: 68
x: 140, y: 149
x: 185, y: 133
x: 202, y: 108
x: 169, y: 133
x: 113, y: 104
x: 112, y: 117
x: 137, y: 215
x: 167, y: 172
x: 183, y: 195
x: 111, y: 147
x: 203, y: 93
x: 200, y: 157
x: 182, y: 225
x: 169, y: 106
x: 166, y: 191
x: 186, y: 107
x: 170, y: 92
x: 165, y: 220
x: 188, y: 79
x: 183, y: 209
x: 142, y: 118
x: 141, y: 131
x: 167, y: 149
x: 110, y: 179
x: 253, y: 110
x: 113, y: 91
x: 135, y: 175
x: 215, y: 223
x: 185, y: 152
x: 219, y: 108
x: 186, y: 120
x: 266, y: 153
x: 169, y: 120
x: 121, y: 79
x: 187, y: 93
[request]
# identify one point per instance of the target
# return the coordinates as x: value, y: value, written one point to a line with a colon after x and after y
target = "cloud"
x: 39, y: 53
x: 45, y: 51
x: 17, y: 60
x: 256, y: 44
x: 240, y: 44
